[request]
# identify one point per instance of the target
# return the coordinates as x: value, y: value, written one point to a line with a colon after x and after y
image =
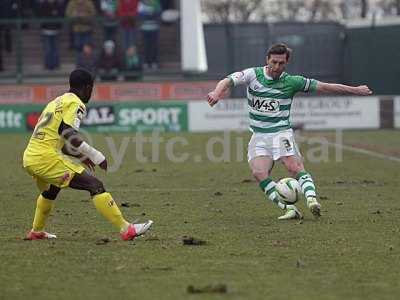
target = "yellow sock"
x: 43, y: 208
x: 106, y: 205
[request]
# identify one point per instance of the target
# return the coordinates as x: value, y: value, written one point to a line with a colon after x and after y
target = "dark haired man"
x: 56, y: 137
x: 270, y: 93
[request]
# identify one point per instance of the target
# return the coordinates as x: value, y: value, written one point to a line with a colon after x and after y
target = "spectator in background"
x: 110, y: 21
x: 70, y: 32
x: 63, y: 5
x: 109, y: 63
x: 8, y: 10
x: 87, y: 59
x: 1, y: 50
x: 97, y: 5
x: 127, y: 11
x: 169, y: 13
x: 166, y: 4
x: 82, y: 26
x: 132, y: 64
x: 149, y: 11
x: 2, y: 31
x: 28, y: 8
x: 50, y: 30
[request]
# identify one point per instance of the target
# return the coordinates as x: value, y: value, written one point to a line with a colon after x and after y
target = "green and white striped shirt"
x: 269, y: 100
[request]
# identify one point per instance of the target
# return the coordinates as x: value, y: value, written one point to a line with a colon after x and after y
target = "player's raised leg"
x: 44, y: 205
x: 106, y: 205
x: 296, y: 169
x: 261, y: 167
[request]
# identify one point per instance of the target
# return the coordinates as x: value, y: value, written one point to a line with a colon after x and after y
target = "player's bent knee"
x: 259, y: 175
x: 96, y: 187
x: 51, y: 193
x: 294, y: 169
x: 87, y: 182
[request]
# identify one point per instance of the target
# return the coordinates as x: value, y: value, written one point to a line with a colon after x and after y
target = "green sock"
x: 268, y: 187
x: 307, y: 184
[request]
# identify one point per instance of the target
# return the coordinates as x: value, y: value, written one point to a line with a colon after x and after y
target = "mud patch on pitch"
x: 208, y: 289
x: 192, y: 241
x: 362, y: 182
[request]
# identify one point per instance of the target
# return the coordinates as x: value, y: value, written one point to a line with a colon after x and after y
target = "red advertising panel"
x: 15, y: 94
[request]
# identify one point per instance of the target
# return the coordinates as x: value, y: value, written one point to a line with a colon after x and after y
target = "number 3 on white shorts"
x: 288, y: 146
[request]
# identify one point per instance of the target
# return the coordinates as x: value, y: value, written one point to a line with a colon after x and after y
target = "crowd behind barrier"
x: 126, y: 27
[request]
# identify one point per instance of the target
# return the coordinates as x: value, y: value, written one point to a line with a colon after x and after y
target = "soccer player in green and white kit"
x: 270, y: 93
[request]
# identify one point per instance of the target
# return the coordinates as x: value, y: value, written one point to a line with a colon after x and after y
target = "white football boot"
x: 292, y: 212
x: 314, y: 206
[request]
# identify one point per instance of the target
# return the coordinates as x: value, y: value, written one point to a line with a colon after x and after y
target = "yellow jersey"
x: 46, y: 141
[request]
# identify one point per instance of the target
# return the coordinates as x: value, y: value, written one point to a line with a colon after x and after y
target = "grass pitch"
x: 351, y: 252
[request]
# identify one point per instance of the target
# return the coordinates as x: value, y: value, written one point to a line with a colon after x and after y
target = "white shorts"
x: 274, y: 145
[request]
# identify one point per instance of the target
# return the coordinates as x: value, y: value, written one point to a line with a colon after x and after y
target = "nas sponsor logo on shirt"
x: 264, y: 105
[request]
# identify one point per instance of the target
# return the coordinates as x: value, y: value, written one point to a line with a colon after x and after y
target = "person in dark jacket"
x: 50, y: 30
x: 109, y: 62
x: 87, y: 59
x: 149, y: 11
x: 8, y: 10
x: 110, y: 21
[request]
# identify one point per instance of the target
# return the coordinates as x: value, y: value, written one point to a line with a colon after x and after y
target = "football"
x: 288, y: 190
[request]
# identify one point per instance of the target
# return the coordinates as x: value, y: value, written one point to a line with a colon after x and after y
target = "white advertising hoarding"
x: 314, y: 113
x: 228, y: 114
x: 336, y: 112
x: 396, y: 112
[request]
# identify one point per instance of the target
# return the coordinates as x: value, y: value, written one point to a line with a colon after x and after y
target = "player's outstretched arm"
x: 334, y: 88
x: 77, y: 147
x: 219, y: 92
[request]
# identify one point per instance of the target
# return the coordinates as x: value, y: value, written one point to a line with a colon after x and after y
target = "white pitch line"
x: 364, y: 151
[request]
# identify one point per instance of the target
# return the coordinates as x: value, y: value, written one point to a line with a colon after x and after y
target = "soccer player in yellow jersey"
x: 46, y: 159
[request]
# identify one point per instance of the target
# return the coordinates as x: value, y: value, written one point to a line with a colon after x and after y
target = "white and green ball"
x: 288, y: 190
